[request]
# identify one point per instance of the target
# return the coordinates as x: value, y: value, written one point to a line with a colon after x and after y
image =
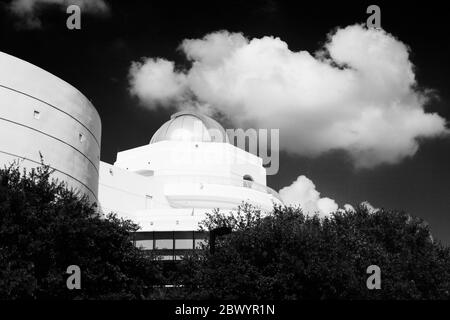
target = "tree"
x: 288, y: 255
x: 46, y: 227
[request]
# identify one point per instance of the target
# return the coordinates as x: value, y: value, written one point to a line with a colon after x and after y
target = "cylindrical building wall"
x: 42, y: 114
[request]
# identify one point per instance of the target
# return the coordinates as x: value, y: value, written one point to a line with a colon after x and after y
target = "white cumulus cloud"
x: 156, y: 83
x: 28, y: 10
x: 302, y: 192
x: 357, y: 93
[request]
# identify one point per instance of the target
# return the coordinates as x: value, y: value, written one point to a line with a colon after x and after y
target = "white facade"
x: 40, y: 113
x: 189, y: 168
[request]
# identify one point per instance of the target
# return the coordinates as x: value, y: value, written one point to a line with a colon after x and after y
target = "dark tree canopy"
x: 45, y: 227
x: 288, y: 255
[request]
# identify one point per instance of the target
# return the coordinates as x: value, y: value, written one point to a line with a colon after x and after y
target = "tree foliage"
x: 289, y: 255
x: 45, y: 227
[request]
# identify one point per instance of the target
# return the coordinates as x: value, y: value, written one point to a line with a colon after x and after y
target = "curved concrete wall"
x: 40, y: 113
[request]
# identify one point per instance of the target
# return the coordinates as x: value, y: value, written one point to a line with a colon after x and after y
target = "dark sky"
x: 96, y: 60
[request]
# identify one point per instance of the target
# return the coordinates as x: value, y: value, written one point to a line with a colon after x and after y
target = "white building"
x: 42, y: 114
x: 188, y: 168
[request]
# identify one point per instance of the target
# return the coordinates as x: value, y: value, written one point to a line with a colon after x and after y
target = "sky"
x: 362, y: 113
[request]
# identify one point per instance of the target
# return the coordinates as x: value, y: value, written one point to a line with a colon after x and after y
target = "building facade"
x: 188, y: 168
x: 41, y: 114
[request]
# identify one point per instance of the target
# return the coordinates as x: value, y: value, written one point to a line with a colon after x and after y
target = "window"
x: 164, y: 244
x: 183, y: 243
x: 170, y: 245
x: 145, y: 244
x: 36, y: 114
x: 248, y: 177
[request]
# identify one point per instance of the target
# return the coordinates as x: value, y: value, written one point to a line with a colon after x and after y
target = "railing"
x: 262, y: 188
x: 221, y: 181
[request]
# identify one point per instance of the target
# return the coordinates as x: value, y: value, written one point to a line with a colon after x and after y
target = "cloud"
x: 370, y: 208
x: 302, y: 192
x: 155, y: 82
x: 357, y: 93
x: 28, y: 10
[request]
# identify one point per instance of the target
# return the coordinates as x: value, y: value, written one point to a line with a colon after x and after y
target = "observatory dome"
x: 190, y: 126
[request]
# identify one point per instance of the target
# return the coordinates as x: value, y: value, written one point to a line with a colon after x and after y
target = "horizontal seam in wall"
x: 48, y: 135
x: 123, y: 190
x: 30, y: 96
x: 20, y: 157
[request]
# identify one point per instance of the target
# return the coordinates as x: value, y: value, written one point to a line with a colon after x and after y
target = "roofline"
x: 191, y: 113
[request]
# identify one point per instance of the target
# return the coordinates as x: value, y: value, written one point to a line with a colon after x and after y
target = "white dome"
x: 190, y: 126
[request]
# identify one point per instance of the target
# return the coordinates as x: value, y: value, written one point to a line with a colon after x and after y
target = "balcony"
x: 211, y: 191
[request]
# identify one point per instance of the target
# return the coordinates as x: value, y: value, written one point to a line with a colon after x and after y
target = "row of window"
x: 172, y: 240
x: 170, y: 244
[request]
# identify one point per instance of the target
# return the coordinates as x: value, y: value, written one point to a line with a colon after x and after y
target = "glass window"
x: 145, y: 244
x: 164, y: 244
x: 183, y: 243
